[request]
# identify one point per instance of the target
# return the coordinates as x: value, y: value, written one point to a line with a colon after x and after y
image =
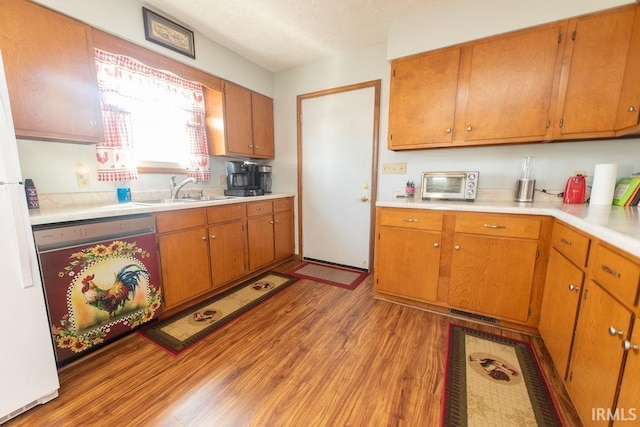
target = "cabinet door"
x: 51, y: 74
x: 511, y: 81
x: 262, y: 122
x: 408, y: 263
x: 629, y: 391
x: 237, y: 120
x: 184, y: 257
x: 559, y: 308
x: 423, y: 100
x: 597, y: 354
x: 283, y: 234
x: 261, y: 241
x: 629, y: 105
x: 227, y: 249
x: 492, y: 276
x: 591, y: 85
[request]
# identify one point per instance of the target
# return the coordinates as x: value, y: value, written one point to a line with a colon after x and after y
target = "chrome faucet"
x: 175, y: 188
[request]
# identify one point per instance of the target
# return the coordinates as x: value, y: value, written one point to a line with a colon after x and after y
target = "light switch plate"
x: 389, y: 168
x: 401, y: 167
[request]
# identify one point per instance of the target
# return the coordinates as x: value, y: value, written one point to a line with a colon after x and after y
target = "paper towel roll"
x: 604, y: 184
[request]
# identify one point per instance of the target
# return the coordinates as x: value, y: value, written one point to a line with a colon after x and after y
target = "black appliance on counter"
x: 243, y: 179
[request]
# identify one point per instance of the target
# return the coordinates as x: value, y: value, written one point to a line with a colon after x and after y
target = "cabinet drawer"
x: 225, y: 213
x: 412, y: 218
x: 179, y: 220
x: 282, y: 205
x: 571, y: 244
x: 615, y: 273
x: 259, y: 208
x: 525, y: 227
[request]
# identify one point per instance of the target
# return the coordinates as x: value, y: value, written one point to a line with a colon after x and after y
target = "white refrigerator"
x: 28, y: 374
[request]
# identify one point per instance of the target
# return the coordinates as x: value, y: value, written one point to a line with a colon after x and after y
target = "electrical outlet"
x: 402, y: 167
x: 389, y: 168
x: 82, y: 174
x: 222, y: 180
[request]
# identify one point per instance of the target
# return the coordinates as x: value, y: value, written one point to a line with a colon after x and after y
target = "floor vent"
x: 473, y: 316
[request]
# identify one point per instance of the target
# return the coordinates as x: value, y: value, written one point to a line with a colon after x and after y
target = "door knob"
x: 364, y: 198
x: 627, y: 345
x: 573, y: 287
x: 613, y: 331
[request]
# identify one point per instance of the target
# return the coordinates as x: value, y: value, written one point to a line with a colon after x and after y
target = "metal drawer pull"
x: 456, y: 247
x: 573, y: 287
x: 409, y: 220
x: 565, y: 241
x: 436, y: 245
x: 610, y: 271
x: 613, y: 331
x: 626, y: 344
x: 494, y: 226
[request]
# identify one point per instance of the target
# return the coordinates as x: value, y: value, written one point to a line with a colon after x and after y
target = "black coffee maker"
x: 242, y: 179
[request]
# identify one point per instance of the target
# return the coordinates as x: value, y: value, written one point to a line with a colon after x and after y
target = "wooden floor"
x: 313, y: 355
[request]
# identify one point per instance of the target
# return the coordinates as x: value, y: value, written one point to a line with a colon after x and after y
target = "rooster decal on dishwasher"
x: 115, y: 297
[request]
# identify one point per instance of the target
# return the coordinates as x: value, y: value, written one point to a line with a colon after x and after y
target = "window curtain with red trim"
x: 126, y: 86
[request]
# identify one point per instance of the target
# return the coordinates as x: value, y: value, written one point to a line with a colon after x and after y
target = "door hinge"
x: 529, y: 312
x: 394, y: 72
x: 537, y: 253
x: 573, y: 35
x: 390, y: 137
x: 559, y: 38
x: 158, y: 246
x: 548, y: 123
x: 584, y: 294
x: 570, y: 376
x: 378, y: 236
x: 561, y: 122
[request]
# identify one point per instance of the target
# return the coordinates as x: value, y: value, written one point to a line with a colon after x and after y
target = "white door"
x: 337, y: 144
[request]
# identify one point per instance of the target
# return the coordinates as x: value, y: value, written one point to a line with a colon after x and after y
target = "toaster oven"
x: 450, y: 185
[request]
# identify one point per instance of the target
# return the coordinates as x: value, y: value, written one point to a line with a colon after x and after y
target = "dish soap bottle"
x: 32, y: 194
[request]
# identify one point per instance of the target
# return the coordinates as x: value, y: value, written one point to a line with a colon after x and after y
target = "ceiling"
x: 282, y: 34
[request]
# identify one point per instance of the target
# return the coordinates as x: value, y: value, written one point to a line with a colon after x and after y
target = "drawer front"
x: 521, y: 226
x: 412, y: 218
x: 283, y: 205
x: 571, y: 244
x: 178, y: 220
x: 615, y: 273
x: 225, y: 213
x: 259, y: 208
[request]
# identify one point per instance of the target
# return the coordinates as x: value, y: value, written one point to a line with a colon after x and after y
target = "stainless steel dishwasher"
x: 100, y: 278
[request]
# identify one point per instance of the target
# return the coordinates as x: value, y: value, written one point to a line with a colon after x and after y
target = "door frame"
x: 376, y: 84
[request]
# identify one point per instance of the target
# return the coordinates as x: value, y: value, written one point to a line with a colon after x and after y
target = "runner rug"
x: 182, y: 330
x: 494, y: 381
x: 336, y: 276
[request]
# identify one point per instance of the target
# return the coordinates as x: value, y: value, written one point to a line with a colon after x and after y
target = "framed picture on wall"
x: 166, y: 33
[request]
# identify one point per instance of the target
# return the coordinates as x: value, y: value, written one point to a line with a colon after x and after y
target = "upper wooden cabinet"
x: 248, y: 124
x: 572, y: 79
x: 51, y: 75
x: 594, y: 75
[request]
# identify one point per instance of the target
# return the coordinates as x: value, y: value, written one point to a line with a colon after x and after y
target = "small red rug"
x: 335, y: 276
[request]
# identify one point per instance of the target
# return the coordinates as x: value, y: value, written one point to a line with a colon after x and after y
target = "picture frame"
x: 166, y: 33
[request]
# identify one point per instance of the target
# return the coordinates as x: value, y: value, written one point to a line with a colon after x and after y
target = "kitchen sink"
x: 159, y: 202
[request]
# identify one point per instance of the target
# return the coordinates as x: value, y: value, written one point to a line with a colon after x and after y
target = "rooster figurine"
x: 123, y: 289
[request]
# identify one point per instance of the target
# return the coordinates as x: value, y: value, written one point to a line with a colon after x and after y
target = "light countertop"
x: 78, y: 213
x: 616, y: 225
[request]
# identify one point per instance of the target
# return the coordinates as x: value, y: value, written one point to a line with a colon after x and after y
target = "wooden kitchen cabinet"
x: 248, y: 124
x: 183, y: 247
x: 594, y: 75
x: 408, y: 248
x: 596, y: 359
x: 629, y: 390
x: 562, y: 292
x: 269, y: 231
x: 493, y: 263
x: 423, y: 91
x: 51, y: 75
x: 227, y: 243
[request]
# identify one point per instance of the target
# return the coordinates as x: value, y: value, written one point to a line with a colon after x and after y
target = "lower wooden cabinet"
x: 227, y: 243
x: 269, y: 231
x: 408, y: 248
x: 629, y: 398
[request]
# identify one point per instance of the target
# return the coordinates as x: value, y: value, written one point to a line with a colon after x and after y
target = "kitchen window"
x: 153, y: 121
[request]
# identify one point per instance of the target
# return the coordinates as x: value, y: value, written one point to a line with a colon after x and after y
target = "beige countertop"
x: 78, y: 213
x: 616, y: 225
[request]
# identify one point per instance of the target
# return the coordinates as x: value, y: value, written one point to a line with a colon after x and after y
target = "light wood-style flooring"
x: 313, y: 355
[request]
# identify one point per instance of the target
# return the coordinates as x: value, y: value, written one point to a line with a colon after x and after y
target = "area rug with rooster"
x: 331, y: 275
x: 182, y: 330
x: 491, y: 380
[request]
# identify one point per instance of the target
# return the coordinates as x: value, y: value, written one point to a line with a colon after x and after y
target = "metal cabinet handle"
x: 204, y: 237
x: 573, y: 287
x: 456, y: 247
x: 565, y: 241
x: 213, y: 236
x: 277, y: 222
x: 270, y: 222
x: 632, y: 109
x: 259, y: 209
x: 613, y: 331
x: 436, y: 245
x: 469, y: 128
x: 93, y: 123
x: 494, y: 226
x: 409, y: 220
x: 626, y: 344
x: 610, y: 271
x: 447, y: 130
